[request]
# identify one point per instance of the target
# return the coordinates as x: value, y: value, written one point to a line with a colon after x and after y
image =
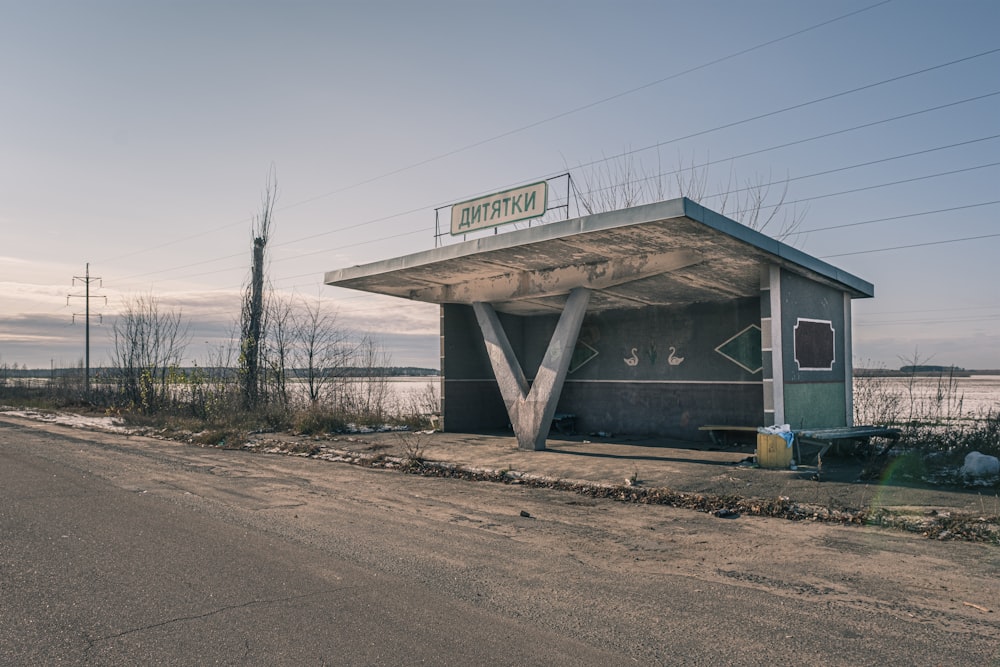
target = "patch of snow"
x: 384, y: 428
x: 110, y: 424
x: 980, y: 468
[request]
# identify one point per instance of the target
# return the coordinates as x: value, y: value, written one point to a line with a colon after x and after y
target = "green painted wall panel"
x: 815, y: 405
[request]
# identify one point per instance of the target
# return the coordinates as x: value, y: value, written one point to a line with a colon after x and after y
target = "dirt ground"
x: 696, y: 469
x: 838, y: 490
x: 634, y: 579
x: 701, y: 476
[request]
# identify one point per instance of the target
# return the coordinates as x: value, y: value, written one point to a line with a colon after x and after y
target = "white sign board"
x: 521, y: 203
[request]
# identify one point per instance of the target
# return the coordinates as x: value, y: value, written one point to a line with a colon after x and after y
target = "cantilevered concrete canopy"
x: 670, y: 253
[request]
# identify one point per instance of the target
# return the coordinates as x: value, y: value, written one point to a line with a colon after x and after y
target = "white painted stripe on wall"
x: 734, y: 382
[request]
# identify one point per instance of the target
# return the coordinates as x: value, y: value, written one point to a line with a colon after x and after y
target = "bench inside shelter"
x: 811, y: 443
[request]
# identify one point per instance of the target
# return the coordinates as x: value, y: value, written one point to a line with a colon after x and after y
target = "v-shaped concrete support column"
x: 531, y: 409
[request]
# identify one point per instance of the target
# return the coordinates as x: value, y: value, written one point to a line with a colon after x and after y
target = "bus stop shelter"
x: 656, y: 319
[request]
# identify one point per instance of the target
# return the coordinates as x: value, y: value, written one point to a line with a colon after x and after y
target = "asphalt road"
x: 117, y: 550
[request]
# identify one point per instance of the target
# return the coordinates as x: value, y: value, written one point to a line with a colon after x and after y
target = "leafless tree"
x: 252, y: 329
x: 613, y: 184
x: 321, y: 352
x: 623, y: 181
x: 148, y: 343
x: 276, y: 352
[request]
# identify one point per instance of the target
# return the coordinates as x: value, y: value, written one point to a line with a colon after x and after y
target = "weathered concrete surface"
x: 671, y: 252
x: 531, y: 409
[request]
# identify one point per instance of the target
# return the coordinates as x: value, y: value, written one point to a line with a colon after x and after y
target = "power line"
x: 825, y: 172
x: 656, y: 145
x: 898, y: 217
x: 936, y: 320
x: 797, y: 142
x: 410, y: 233
x: 529, y: 126
x: 392, y: 236
x: 86, y: 279
x: 826, y: 98
x: 743, y: 121
x: 832, y: 227
x: 903, y: 181
x: 590, y: 105
x: 606, y: 159
x: 876, y: 187
x: 914, y: 245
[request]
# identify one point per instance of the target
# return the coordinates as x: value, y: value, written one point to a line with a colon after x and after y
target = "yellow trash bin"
x: 773, y: 451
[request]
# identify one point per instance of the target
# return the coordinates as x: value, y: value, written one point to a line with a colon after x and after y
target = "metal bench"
x: 825, y: 438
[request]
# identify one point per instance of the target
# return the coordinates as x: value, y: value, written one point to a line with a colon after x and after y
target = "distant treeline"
x: 97, y: 373
x: 924, y: 369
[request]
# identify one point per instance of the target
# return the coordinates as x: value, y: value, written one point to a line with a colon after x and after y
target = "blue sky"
x: 138, y: 136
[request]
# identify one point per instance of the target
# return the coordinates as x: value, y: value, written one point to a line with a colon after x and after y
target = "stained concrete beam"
x: 518, y: 285
x: 531, y: 409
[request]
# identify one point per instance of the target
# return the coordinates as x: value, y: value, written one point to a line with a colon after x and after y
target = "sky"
x: 138, y: 138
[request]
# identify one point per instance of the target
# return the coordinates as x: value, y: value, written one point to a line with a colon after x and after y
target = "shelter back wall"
x: 625, y: 378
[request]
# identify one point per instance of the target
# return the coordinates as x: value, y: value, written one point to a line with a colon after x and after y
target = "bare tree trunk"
x: 252, y: 330
x: 252, y: 317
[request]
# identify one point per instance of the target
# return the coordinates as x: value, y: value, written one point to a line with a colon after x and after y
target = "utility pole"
x: 86, y: 279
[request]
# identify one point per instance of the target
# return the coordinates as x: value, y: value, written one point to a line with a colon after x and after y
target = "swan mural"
x: 673, y: 359
x: 634, y: 359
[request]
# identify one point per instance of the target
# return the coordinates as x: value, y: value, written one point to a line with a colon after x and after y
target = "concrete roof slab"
x: 672, y: 252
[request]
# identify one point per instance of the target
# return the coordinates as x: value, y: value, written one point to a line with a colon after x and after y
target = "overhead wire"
x: 790, y: 179
x: 890, y: 218
x: 796, y: 201
x: 936, y: 320
x: 595, y: 103
x: 832, y: 227
x: 797, y: 142
x: 662, y: 143
x: 866, y: 188
x: 528, y: 126
x: 914, y: 245
x: 617, y: 156
x: 824, y: 98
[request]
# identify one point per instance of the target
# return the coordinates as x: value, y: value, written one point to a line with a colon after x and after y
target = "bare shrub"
x: 316, y: 420
x: 623, y: 181
x: 320, y: 352
x: 368, y: 394
x: 421, y: 409
x: 413, y: 445
x: 877, y: 398
x: 148, y: 343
